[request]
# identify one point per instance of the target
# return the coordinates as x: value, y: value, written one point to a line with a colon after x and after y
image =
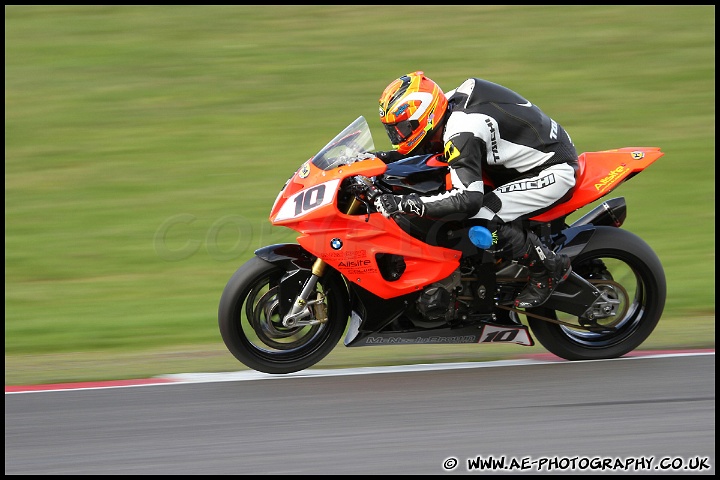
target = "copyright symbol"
x: 450, y: 463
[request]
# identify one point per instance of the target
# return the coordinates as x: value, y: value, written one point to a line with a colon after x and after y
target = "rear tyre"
x: 626, y: 269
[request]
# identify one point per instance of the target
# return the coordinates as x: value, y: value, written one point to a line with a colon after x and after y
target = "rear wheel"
x: 251, y: 323
x: 630, y: 274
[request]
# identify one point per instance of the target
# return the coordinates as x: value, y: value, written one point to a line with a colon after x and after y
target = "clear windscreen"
x: 348, y: 146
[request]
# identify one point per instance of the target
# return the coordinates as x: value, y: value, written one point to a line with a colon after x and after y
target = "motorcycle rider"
x: 484, y: 129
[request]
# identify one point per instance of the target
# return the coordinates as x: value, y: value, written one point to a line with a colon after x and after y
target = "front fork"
x: 301, y: 307
x: 302, y: 304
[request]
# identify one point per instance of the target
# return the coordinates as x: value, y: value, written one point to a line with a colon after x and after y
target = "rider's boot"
x: 547, y: 270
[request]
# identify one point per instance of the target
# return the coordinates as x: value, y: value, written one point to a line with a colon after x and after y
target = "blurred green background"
x: 145, y: 145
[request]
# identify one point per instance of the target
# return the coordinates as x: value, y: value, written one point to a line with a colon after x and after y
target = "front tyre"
x: 627, y: 270
x: 251, y: 324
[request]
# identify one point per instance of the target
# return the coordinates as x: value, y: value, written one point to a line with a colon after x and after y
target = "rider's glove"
x: 389, y: 157
x: 389, y: 205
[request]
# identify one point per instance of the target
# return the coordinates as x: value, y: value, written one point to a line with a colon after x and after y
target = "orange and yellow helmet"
x: 411, y: 107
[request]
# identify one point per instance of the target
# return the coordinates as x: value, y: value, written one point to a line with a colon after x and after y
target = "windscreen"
x: 353, y: 141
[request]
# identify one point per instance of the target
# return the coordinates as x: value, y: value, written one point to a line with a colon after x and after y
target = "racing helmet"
x: 411, y: 108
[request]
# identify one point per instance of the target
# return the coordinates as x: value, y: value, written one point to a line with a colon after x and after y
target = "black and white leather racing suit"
x: 529, y: 158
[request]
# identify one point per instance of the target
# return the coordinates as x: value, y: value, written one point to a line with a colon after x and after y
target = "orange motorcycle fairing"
x: 352, y: 243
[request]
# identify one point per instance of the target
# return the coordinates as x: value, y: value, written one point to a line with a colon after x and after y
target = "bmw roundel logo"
x: 336, y: 244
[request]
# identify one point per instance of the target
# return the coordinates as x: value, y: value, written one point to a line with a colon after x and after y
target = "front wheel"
x: 251, y: 323
x: 627, y: 270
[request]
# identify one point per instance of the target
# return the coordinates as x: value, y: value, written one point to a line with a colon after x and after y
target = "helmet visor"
x: 401, y: 131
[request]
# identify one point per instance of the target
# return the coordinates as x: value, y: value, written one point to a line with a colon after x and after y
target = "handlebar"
x: 367, y: 187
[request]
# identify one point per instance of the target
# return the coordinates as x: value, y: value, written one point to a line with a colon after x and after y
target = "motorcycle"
x: 384, y: 281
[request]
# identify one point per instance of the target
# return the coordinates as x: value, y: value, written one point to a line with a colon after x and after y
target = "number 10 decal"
x: 309, y: 199
x: 497, y: 334
x: 305, y: 201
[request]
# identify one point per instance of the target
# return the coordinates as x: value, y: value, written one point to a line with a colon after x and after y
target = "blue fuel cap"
x: 480, y: 237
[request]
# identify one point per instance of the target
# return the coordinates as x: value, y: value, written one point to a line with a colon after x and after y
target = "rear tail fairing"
x: 599, y: 173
